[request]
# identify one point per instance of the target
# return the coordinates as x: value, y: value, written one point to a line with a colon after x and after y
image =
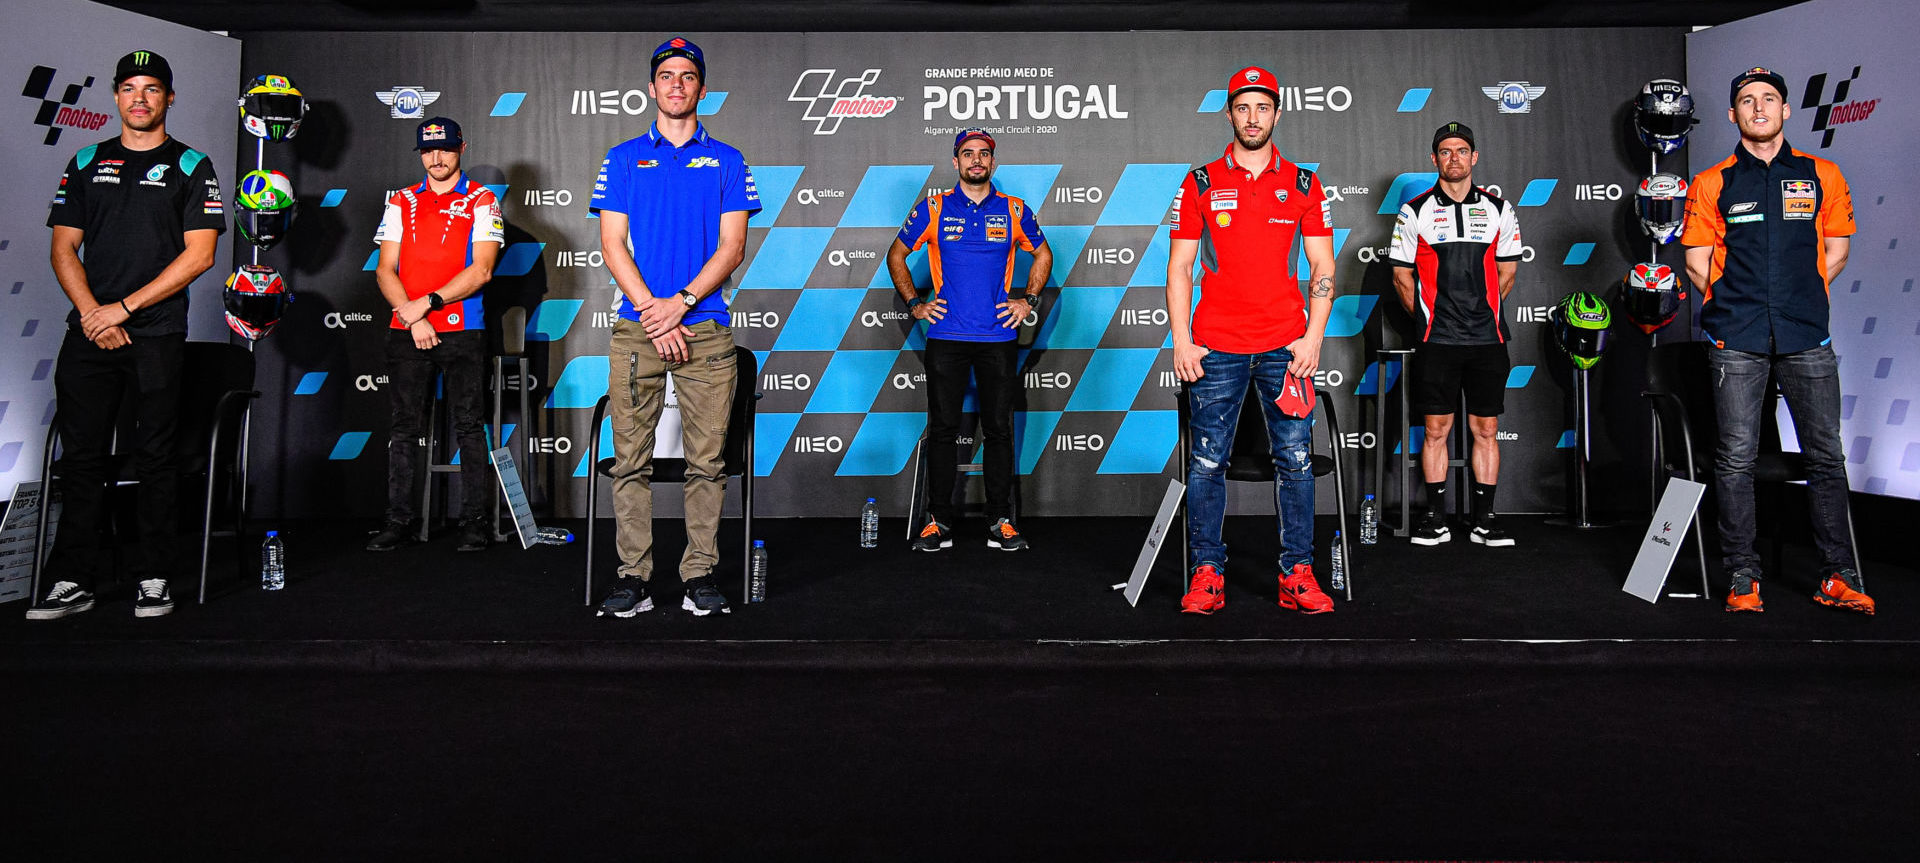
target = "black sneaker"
x: 391, y: 537
x: 933, y: 537
x: 1004, y: 536
x: 153, y: 599
x: 1489, y: 533
x: 1431, y: 530
x: 628, y: 598
x: 703, y: 598
x: 65, y: 598
x: 473, y: 536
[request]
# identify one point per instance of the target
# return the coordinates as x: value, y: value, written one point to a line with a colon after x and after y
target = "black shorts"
x: 1440, y: 372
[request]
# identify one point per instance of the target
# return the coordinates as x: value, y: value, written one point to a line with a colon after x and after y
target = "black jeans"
x: 1810, y: 381
x: 89, y: 386
x: 995, y: 369
x: 461, y: 357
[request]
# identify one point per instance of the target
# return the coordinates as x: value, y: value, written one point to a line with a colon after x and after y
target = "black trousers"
x: 461, y: 357
x: 90, y: 386
x: 994, y: 367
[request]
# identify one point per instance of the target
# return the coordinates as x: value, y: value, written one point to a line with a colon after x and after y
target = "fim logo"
x: 787, y: 382
x: 826, y: 108
x: 819, y: 443
x: 59, y: 112
x: 1532, y: 314
x: 407, y: 101
x: 1598, y: 192
x: 1515, y: 97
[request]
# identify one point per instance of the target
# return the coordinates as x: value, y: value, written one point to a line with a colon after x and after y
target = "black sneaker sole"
x: 687, y: 604
x: 1432, y: 540
x: 945, y: 543
x: 643, y: 606
x: 59, y: 612
x: 1501, y: 542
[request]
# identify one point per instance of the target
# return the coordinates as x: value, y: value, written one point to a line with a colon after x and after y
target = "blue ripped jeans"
x: 1214, y: 402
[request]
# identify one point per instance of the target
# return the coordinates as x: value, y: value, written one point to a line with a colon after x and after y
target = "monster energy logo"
x: 141, y: 58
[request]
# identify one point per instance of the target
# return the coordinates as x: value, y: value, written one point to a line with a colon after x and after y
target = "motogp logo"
x: 827, y: 107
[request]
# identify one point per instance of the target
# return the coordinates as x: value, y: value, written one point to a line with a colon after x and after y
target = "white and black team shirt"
x: 1453, y: 248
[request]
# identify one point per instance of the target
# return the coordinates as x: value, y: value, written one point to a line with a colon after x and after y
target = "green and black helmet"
x: 1580, y: 325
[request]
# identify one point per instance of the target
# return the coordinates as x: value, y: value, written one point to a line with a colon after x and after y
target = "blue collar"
x: 699, y: 135
x: 425, y: 186
x: 992, y: 191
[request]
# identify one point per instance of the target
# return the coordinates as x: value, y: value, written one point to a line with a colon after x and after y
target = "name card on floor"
x: 1661, y: 545
x: 16, y: 539
x: 509, y: 474
x: 1156, y: 537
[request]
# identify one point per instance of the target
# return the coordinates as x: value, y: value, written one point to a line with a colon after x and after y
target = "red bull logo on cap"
x: 435, y: 132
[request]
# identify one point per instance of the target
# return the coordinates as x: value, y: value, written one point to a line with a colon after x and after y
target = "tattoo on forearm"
x: 1323, y: 286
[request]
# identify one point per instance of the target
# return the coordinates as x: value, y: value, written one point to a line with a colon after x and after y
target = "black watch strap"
x: 915, y: 300
x: 435, y: 302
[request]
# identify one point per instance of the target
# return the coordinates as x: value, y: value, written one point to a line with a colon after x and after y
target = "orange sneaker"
x: 1744, y: 595
x: 1299, y: 590
x: 1840, y: 590
x: 1206, y: 593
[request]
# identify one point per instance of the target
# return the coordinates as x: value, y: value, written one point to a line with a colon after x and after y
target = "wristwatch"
x: 914, y: 301
x: 689, y: 299
x: 435, y: 302
x: 1033, y: 301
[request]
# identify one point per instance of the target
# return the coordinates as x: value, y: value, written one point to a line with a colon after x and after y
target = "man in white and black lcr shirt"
x: 135, y: 220
x: 1455, y: 251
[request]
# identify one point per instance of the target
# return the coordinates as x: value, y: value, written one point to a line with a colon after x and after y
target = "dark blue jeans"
x: 1810, y: 382
x: 1214, y: 401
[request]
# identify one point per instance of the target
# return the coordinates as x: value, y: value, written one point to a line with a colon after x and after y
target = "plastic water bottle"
x: 1339, y: 579
x: 273, y: 562
x: 1369, y: 521
x: 870, y: 524
x: 757, y: 572
x: 553, y: 536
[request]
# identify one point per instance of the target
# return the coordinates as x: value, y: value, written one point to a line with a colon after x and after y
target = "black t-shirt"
x: 135, y: 207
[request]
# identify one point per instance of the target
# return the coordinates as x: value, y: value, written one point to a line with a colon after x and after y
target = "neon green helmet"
x: 1580, y: 325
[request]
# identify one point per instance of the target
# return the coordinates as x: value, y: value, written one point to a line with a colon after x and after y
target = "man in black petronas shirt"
x: 147, y: 211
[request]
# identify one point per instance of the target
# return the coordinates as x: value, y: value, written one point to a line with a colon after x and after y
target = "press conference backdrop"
x: 844, y: 133
x: 1850, y: 79
x: 56, y: 60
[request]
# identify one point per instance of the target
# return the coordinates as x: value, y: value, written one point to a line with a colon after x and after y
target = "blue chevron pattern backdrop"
x: 845, y: 132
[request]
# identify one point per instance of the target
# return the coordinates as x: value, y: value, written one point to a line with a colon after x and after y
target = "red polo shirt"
x: 436, y: 234
x: 1246, y: 223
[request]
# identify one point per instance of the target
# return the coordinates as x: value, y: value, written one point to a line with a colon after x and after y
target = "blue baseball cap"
x: 970, y: 134
x: 679, y: 46
x: 438, y: 133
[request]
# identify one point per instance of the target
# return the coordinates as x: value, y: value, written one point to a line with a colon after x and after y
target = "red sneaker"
x: 1206, y: 593
x: 1841, y: 589
x: 1299, y: 590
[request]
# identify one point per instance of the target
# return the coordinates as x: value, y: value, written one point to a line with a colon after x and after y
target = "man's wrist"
x: 915, y: 300
x: 435, y: 302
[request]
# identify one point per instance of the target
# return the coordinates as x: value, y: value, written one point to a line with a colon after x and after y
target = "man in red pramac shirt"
x: 438, y: 241
x: 1239, y: 215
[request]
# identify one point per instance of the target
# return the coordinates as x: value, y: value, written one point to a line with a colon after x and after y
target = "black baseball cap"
x: 145, y: 63
x: 438, y: 133
x: 1757, y: 73
x: 1454, y: 130
x: 679, y: 46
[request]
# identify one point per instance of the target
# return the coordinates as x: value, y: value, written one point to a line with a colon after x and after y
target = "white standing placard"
x: 1661, y: 544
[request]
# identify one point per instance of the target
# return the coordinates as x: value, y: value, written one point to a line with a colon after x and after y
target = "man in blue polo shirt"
x: 673, y: 207
x: 970, y: 233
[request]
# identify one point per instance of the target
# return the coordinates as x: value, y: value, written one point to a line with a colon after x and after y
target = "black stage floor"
x: 973, y: 704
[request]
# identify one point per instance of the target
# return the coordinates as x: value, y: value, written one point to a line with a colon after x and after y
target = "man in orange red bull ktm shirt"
x: 1768, y: 229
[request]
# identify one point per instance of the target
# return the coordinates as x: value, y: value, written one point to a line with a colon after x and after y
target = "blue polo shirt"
x: 673, y: 198
x: 970, y: 256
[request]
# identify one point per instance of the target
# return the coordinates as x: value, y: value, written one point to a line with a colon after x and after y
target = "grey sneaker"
x: 153, y: 599
x: 63, y: 599
x: 628, y: 598
x: 933, y: 537
x: 1004, y: 536
x: 703, y: 598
